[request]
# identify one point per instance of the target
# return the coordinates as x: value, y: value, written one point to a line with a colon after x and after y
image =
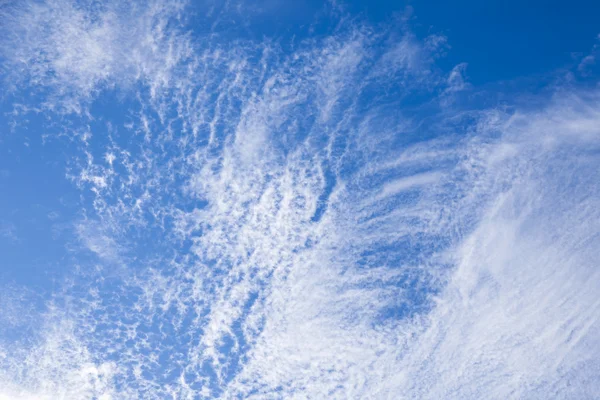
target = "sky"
x: 317, y: 200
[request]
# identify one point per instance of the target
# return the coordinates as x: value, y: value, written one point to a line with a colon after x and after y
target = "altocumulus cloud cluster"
x: 326, y: 215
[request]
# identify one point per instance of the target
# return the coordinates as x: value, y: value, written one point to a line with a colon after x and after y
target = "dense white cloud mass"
x: 295, y: 221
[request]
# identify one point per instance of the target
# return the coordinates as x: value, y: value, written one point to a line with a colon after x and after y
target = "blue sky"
x: 316, y: 200
x: 511, y: 39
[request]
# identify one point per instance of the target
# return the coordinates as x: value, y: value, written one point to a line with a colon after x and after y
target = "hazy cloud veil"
x: 330, y: 215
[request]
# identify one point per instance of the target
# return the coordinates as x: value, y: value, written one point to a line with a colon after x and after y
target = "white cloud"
x: 518, y: 311
x: 8, y: 231
x: 78, y: 49
x: 286, y: 241
x: 95, y: 239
